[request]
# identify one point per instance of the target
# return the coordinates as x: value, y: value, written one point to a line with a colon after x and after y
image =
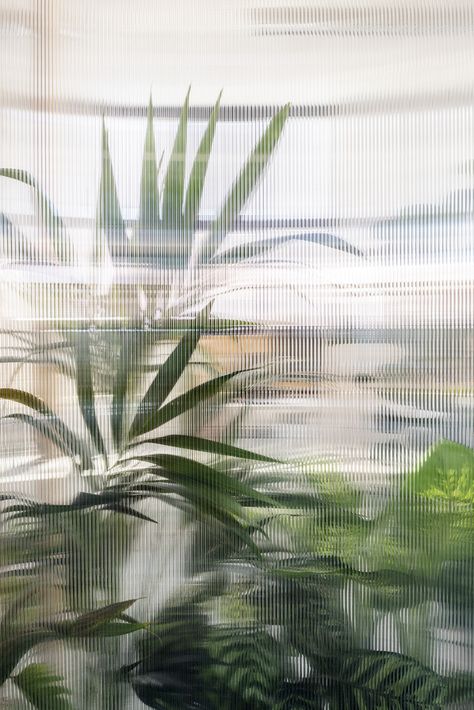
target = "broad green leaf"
x: 149, y: 198
x: 109, y: 215
x: 173, y: 189
x: 196, y: 443
x: 61, y: 242
x: 42, y: 689
x: 199, y: 170
x: 248, y: 178
x: 15, y: 646
x: 85, y: 389
x: 446, y: 475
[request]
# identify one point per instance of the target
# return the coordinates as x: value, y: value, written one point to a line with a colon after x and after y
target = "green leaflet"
x: 199, y: 170
x: 48, y: 424
x: 149, y: 218
x: 109, y: 218
x: 61, y: 242
x: 180, y: 405
x: 198, y: 493
x: 117, y: 628
x: 234, y: 255
x: 94, y: 622
x: 27, y: 400
x: 187, y: 471
x: 114, y: 500
x: 43, y: 689
x: 161, y: 386
x: 173, y: 189
x: 248, y: 178
x: 15, y: 246
x: 13, y: 647
x: 85, y: 390
x: 132, y: 345
x: 196, y: 443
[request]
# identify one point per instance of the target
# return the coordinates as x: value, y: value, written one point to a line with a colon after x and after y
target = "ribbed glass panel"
x: 236, y: 354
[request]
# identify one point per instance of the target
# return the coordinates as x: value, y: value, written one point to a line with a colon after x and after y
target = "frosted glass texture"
x: 236, y: 367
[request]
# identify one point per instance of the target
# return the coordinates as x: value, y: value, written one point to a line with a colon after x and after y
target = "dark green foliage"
x: 369, y: 680
x: 248, y: 665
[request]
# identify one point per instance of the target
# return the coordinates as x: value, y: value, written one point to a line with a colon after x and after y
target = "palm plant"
x: 268, y: 616
x: 82, y: 532
x: 166, y: 231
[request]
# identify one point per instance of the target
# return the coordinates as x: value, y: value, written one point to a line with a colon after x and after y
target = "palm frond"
x: 173, y: 188
x: 246, y: 181
x: 109, y: 218
x: 199, y: 170
x: 149, y: 211
x: 85, y: 390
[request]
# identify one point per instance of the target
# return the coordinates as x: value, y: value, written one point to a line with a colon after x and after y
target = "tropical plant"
x: 136, y: 462
x: 140, y: 464
x: 295, y: 628
x: 166, y: 231
x: 285, y: 584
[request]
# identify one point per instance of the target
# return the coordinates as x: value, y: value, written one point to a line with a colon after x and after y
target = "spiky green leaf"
x: 109, y: 220
x: 173, y: 188
x: 85, y: 389
x: 199, y: 170
x: 164, y: 382
x: 179, y: 405
x: 149, y: 212
x: 94, y: 622
x: 247, y: 179
x: 196, y: 443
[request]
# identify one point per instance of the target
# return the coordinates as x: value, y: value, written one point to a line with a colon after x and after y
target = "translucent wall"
x: 236, y: 354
